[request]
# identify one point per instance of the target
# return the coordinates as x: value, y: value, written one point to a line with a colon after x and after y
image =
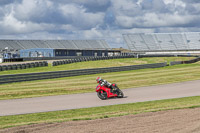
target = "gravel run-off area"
x: 171, y: 121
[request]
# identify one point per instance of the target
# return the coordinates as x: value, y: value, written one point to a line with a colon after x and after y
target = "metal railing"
x: 184, y: 62
x: 59, y: 74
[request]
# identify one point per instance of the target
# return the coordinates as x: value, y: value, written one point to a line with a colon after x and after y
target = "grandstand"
x: 146, y: 42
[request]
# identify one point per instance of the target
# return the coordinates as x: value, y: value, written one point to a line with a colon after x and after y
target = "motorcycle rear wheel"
x: 120, y: 94
x: 102, y: 95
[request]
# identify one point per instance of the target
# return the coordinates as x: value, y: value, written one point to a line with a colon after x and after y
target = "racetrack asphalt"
x: 86, y: 100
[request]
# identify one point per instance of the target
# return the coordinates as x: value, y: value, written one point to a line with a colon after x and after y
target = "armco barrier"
x: 175, y: 63
x: 192, y: 61
x: 184, y: 62
x: 23, y: 66
x: 69, y: 73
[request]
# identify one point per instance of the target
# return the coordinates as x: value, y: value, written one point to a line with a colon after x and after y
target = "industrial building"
x: 55, y: 48
x: 49, y: 52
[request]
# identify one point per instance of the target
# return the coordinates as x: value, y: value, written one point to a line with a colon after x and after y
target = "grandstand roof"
x: 56, y: 44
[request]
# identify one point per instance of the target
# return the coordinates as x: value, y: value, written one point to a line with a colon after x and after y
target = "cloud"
x: 89, y: 5
x: 59, y: 14
x: 10, y: 25
x: 5, y: 2
x: 154, y: 14
x: 80, y: 19
x: 96, y: 19
x: 38, y: 11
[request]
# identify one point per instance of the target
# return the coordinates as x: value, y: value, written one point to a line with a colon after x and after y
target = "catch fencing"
x: 59, y: 74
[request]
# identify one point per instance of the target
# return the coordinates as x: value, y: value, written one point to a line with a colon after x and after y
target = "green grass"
x: 87, y: 83
x: 99, y: 112
x: 98, y: 64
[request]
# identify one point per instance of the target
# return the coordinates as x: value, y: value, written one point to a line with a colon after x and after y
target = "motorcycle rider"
x: 103, y: 82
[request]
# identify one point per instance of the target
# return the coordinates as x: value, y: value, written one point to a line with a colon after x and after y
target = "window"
x: 66, y: 53
x: 78, y: 53
x: 95, y: 54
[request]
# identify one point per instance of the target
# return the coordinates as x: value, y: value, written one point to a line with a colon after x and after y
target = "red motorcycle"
x: 104, y: 92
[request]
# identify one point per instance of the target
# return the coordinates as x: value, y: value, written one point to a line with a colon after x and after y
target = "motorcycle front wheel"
x: 102, y: 95
x: 120, y: 94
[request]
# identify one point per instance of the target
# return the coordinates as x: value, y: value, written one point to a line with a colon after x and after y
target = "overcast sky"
x: 95, y: 19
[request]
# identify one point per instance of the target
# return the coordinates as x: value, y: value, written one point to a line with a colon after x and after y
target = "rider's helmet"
x: 98, y: 79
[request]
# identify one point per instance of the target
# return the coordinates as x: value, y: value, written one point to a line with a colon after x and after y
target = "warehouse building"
x: 55, y: 48
x: 49, y: 52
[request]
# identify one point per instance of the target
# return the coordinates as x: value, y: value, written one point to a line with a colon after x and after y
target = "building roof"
x: 54, y: 44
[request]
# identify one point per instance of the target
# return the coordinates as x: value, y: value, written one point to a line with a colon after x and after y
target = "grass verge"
x: 98, y: 64
x: 87, y: 83
x: 99, y: 112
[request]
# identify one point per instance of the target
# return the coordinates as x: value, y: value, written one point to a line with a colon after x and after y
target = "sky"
x: 96, y: 19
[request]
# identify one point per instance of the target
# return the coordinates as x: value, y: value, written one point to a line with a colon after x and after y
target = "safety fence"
x: 23, y: 66
x: 184, y: 62
x: 70, y: 73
